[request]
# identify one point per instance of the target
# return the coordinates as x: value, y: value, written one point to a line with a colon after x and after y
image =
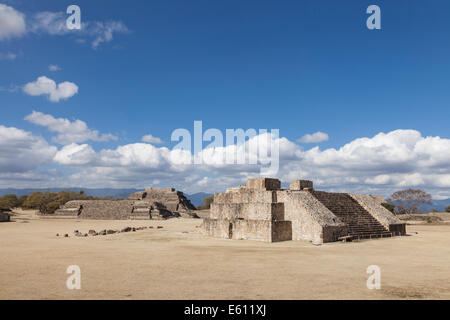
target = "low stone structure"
x: 149, y: 204
x: 261, y: 210
x: 4, y: 215
x: 172, y: 199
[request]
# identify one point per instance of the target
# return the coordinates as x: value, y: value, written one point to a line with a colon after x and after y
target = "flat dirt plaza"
x: 177, y: 262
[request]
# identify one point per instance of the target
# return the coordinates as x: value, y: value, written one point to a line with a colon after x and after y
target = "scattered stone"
x: 102, y: 233
x: 91, y: 232
x: 134, y: 229
x: 57, y: 234
x: 160, y: 227
x: 110, y: 232
x: 127, y: 229
x: 66, y: 235
x: 151, y: 227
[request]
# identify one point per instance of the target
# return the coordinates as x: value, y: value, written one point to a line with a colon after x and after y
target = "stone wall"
x: 4, y: 216
x: 311, y: 220
x: 260, y: 230
x: 247, y: 211
x: 102, y: 209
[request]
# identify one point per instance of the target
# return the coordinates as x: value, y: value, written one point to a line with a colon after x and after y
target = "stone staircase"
x: 69, y: 210
x: 145, y: 210
x: 141, y: 211
x: 361, y: 224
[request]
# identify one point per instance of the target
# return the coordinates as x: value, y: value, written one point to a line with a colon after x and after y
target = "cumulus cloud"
x: 314, y: 138
x: 7, y: 56
x: 68, y: 131
x: 151, y: 139
x: 383, y: 163
x: 21, y: 151
x: 75, y: 154
x: 380, y: 164
x: 12, y: 23
x: 47, y: 86
x: 54, y: 68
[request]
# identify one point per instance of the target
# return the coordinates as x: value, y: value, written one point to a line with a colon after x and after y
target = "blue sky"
x: 298, y: 66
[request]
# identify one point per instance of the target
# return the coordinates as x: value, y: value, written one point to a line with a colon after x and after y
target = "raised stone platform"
x: 153, y: 204
x: 261, y: 210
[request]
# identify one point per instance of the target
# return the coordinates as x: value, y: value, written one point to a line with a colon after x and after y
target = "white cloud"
x: 54, y: 68
x: 314, y: 138
x: 8, y: 56
x: 380, y: 164
x: 74, y: 154
x: 20, y: 151
x: 68, y: 131
x: 54, y: 23
x: 12, y: 23
x: 47, y: 86
x: 104, y: 31
x: 151, y: 139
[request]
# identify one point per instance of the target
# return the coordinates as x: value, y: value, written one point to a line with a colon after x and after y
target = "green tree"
x: 409, y: 201
x: 49, y: 202
x: 206, y: 203
x: 33, y: 200
x: 389, y: 206
x: 9, y: 201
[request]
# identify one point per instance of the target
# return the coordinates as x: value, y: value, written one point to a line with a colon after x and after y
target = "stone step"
x: 360, y: 222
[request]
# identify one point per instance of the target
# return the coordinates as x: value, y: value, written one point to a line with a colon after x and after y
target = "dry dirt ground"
x: 177, y: 262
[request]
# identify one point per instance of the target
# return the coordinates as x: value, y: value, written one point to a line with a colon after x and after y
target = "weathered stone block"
x: 264, y: 184
x: 252, y: 211
x: 298, y: 185
x: 246, y: 196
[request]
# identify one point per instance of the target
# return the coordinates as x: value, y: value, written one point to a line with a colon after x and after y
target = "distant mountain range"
x: 438, y: 205
x: 196, y: 198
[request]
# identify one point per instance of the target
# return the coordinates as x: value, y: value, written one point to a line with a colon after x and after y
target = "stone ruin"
x: 153, y: 204
x: 261, y: 210
x: 5, y: 215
